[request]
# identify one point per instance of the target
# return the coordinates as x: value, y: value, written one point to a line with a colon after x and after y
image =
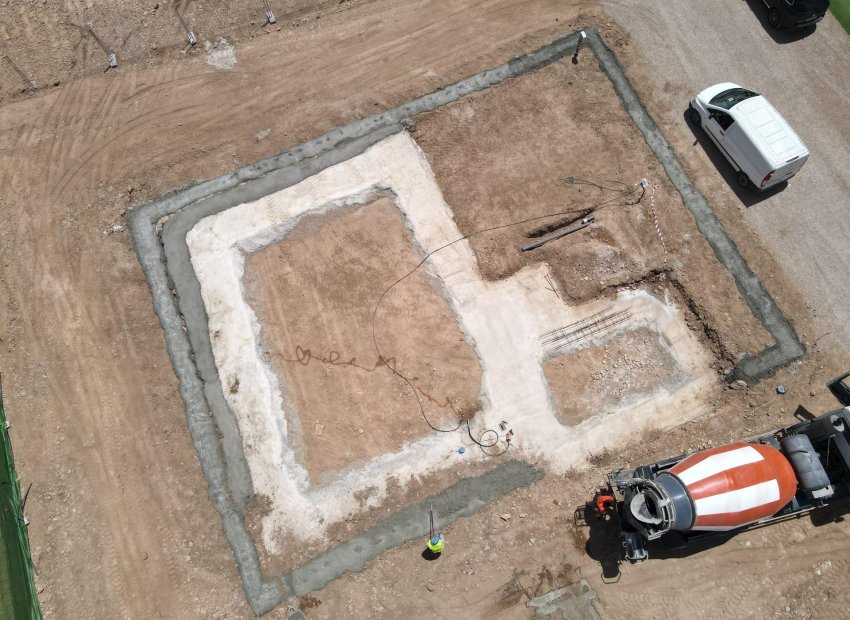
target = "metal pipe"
x: 531, y: 246
x: 110, y: 56
x: 189, y: 34
x: 269, y: 14
x: 29, y: 82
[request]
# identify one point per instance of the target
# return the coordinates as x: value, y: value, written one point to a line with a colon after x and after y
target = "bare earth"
x: 121, y: 522
x: 565, y: 121
x: 121, y: 525
x: 317, y: 290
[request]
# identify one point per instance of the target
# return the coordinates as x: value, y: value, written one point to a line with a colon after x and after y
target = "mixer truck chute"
x: 790, y: 472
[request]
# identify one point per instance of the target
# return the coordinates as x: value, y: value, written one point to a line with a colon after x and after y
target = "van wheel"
x: 773, y: 19
x: 743, y: 179
x: 694, y: 115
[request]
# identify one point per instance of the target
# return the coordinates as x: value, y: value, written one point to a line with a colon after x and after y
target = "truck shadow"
x: 747, y: 196
x: 779, y: 35
x: 834, y: 513
x: 604, y: 544
x: 672, y: 546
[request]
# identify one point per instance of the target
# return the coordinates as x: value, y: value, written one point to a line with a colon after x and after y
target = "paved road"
x: 806, y: 226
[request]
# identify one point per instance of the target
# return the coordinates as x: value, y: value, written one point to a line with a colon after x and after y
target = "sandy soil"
x: 315, y: 297
x: 121, y: 525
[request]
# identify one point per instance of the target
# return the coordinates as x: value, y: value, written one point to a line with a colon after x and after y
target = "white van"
x: 756, y: 140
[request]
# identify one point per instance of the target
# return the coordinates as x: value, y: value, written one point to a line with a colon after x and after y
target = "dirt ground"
x: 121, y: 525
x: 53, y: 43
x: 315, y: 293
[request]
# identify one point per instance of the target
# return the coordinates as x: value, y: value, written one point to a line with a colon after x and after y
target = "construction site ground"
x: 121, y: 524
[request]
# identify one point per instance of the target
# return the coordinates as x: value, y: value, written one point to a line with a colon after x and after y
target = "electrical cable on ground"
x: 622, y: 191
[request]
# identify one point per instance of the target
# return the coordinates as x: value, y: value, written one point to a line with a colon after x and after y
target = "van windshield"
x: 732, y: 97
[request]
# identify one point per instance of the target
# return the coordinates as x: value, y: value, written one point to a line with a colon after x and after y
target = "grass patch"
x: 6, y: 588
x: 841, y: 10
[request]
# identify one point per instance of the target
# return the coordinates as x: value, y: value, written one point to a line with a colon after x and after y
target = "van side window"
x: 724, y: 120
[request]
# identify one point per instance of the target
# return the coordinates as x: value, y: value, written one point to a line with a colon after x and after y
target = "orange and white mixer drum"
x: 735, y: 485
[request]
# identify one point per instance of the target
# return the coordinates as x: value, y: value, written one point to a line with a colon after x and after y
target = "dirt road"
x: 806, y: 77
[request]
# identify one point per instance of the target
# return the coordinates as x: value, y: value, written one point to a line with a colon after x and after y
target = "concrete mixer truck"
x: 785, y: 474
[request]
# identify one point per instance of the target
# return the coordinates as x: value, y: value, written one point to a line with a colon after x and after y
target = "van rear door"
x: 780, y: 146
x: 786, y: 170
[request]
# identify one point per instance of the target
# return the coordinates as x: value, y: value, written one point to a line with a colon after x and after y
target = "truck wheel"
x: 743, y: 179
x: 773, y: 19
x: 694, y: 115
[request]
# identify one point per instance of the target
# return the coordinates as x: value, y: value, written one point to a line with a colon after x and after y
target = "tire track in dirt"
x: 45, y: 152
x: 101, y: 149
x: 67, y: 122
x: 377, y: 54
x: 108, y: 108
x: 123, y: 550
x: 366, y: 63
x: 30, y: 134
x: 82, y: 404
x: 367, y: 66
x: 112, y: 530
x: 171, y: 82
x: 64, y: 112
x: 94, y: 125
x: 79, y: 511
x: 97, y: 521
x: 390, y: 48
x: 748, y: 572
x: 156, y: 529
x: 102, y: 417
x: 150, y: 108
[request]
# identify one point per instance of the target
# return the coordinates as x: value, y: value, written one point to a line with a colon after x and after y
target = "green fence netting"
x: 18, y: 599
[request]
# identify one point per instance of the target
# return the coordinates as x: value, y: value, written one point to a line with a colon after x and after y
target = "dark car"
x: 795, y: 14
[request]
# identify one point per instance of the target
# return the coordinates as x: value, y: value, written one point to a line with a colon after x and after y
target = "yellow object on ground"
x: 436, y: 544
